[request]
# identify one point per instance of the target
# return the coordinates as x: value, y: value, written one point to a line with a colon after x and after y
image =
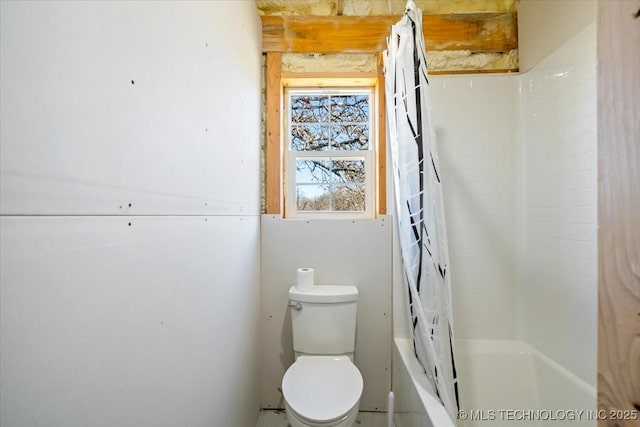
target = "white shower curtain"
x: 419, y: 207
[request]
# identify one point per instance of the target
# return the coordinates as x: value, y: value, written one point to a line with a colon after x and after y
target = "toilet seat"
x: 322, y: 389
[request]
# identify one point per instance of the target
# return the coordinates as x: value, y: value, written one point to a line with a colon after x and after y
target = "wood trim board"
x: 618, y: 214
x: 476, y: 32
x: 273, y: 151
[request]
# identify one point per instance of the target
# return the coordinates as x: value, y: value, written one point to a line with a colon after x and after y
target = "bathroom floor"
x: 279, y: 419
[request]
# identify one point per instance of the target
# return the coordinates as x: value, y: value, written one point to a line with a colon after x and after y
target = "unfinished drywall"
x: 129, y: 188
x: 342, y: 252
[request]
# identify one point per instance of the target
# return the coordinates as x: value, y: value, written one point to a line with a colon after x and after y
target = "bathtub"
x: 502, y: 383
x: 505, y: 382
x: 415, y: 404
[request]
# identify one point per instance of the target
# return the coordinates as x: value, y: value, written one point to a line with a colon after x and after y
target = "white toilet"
x: 323, y: 387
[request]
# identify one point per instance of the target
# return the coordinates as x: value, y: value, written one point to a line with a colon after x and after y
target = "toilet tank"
x: 323, y: 319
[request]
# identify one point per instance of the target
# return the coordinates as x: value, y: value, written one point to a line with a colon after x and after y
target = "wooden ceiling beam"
x: 476, y: 32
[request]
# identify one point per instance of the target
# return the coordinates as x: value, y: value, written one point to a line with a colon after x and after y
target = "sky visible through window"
x: 327, y: 134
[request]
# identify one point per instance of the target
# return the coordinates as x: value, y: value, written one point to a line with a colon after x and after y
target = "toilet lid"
x: 322, y: 389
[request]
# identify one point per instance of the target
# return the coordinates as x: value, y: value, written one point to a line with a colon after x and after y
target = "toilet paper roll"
x: 305, y: 278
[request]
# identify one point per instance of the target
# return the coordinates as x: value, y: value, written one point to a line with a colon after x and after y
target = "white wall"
x: 558, y: 282
x: 545, y: 25
x: 342, y: 252
x: 129, y: 213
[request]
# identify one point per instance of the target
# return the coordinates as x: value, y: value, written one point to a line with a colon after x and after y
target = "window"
x: 329, y: 149
x: 315, y: 151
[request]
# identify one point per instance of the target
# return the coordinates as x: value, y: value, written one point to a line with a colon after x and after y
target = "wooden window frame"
x: 334, y: 86
x: 274, y: 151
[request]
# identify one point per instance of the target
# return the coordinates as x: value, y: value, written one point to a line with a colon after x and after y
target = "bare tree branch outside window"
x: 335, y: 125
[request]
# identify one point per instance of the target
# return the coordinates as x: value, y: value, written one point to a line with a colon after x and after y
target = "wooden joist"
x: 272, y: 151
x: 476, y: 32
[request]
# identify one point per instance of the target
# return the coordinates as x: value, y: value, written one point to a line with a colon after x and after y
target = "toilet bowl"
x: 323, y: 387
x: 322, y: 391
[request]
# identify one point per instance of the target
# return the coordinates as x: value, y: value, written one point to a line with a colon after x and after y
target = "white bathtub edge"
x: 521, y: 377
x: 436, y: 412
x: 578, y: 381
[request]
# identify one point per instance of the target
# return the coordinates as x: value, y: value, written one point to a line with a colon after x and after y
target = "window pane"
x: 309, y: 108
x: 350, y: 108
x: 350, y: 137
x: 312, y: 197
x: 348, y: 171
x: 309, y: 138
x: 348, y: 198
x: 313, y: 171
x: 330, y: 142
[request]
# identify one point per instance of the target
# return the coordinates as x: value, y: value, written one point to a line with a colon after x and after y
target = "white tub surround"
x: 557, y: 283
x: 519, y: 172
x: 504, y: 381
